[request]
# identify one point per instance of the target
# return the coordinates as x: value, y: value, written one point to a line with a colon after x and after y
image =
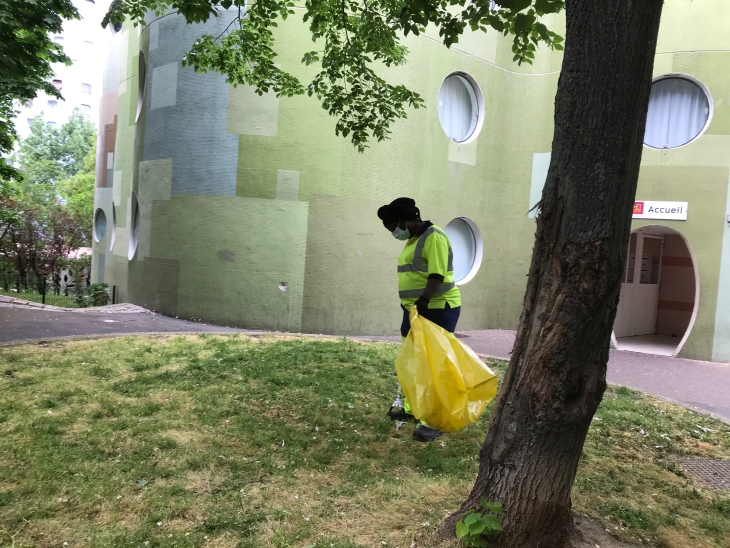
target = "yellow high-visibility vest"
x: 429, y: 253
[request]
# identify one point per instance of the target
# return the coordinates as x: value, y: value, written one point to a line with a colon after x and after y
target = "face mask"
x: 400, y: 234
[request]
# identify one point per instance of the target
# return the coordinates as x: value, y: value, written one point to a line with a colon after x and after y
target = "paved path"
x: 21, y: 324
x: 702, y: 385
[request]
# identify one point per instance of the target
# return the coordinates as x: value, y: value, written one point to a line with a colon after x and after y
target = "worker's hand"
x: 422, y: 306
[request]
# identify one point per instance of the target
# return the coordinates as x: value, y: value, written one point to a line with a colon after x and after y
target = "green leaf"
x: 515, y: 5
x: 549, y: 6
x: 493, y: 507
x: 492, y: 524
x: 542, y: 31
x: 461, y: 529
x: 523, y: 22
x: 477, y: 528
x: 497, y: 24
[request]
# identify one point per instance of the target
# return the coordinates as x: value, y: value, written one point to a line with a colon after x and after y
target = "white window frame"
x: 98, y: 211
x: 114, y: 227
x: 133, y: 216
x: 476, y: 93
x: 141, y: 84
x: 478, y: 253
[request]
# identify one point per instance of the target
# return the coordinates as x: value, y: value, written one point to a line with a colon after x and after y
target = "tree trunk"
x: 557, y: 374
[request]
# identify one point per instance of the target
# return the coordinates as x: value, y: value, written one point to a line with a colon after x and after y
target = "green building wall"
x: 292, y: 243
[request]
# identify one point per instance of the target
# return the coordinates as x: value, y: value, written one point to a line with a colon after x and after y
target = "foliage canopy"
x: 27, y: 55
x: 47, y: 213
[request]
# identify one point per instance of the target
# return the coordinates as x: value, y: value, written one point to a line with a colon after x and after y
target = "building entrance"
x: 659, y: 293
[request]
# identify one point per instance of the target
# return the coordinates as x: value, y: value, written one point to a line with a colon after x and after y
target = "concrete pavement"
x: 30, y: 324
x: 704, y: 386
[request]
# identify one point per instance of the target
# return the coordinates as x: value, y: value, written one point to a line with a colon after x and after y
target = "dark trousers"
x: 443, y: 317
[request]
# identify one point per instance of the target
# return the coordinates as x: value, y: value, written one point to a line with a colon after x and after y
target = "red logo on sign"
x: 638, y: 208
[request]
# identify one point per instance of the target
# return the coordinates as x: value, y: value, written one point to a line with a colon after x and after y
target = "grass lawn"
x: 68, y: 301
x: 235, y: 442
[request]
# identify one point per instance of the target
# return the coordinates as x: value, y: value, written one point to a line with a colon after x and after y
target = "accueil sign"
x: 676, y: 211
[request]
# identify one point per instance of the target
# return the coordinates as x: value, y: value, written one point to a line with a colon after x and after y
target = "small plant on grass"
x: 475, y: 526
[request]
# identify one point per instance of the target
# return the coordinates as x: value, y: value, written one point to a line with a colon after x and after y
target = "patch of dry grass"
x: 272, y: 442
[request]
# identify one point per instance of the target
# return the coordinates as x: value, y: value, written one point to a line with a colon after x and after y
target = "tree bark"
x: 557, y: 374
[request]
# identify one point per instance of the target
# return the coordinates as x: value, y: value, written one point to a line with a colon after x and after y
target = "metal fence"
x: 69, y: 295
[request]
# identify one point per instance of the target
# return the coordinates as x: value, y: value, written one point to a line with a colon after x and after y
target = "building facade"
x: 247, y: 210
x: 85, y: 42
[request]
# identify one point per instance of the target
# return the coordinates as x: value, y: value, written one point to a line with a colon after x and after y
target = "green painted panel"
x: 351, y: 284
x: 254, y: 182
x: 234, y: 254
x: 688, y: 25
x: 154, y: 284
x: 252, y: 114
x: 117, y: 274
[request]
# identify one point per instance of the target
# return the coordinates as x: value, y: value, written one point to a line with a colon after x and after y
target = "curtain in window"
x: 678, y: 112
x: 457, y: 108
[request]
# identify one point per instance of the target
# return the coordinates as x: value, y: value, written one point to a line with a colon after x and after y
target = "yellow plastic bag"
x: 446, y: 383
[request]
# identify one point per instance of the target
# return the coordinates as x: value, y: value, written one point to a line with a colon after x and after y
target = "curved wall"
x: 253, y: 213
x: 243, y: 196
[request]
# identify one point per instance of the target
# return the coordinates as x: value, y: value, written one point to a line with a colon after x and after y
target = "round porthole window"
x: 466, y: 244
x: 114, y: 226
x: 460, y: 107
x: 142, y: 82
x: 679, y: 111
x: 134, y: 227
x: 99, y: 225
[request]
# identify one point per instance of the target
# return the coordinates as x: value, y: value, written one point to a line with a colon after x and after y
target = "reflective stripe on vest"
x: 409, y: 293
x: 411, y: 268
x: 417, y: 265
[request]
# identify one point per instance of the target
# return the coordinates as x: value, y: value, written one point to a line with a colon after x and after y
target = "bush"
x: 97, y: 295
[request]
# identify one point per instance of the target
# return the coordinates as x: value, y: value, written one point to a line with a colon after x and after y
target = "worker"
x: 425, y: 280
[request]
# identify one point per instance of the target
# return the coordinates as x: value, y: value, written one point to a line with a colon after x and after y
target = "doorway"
x: 659, y: 293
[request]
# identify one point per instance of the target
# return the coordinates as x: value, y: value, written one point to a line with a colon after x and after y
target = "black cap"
x: 398, y: 210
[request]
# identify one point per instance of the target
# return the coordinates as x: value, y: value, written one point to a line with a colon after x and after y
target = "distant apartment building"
x: 85, y: 42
